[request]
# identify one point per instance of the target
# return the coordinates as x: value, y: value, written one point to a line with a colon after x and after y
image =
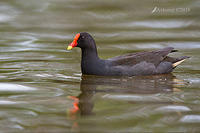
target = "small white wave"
x: 66, y: 77
x: 191, y: 119
x: 18, y: 127
x: 45, y: 75
x: 56, y: 75
x: 173, y: 108
x: 6, y: 87
x: 122, y: 97
x: 194, y: 80
x: 7, y: 13
x: 131, y: 97
x: 4, y: 18
x: 160, y: 24
x: 177, y: 45
x: 5, y: 102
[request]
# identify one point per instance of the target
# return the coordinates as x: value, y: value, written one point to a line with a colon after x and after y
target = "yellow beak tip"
x: 69, y: 47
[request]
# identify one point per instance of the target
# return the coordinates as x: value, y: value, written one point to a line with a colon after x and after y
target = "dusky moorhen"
x: 140, y: 63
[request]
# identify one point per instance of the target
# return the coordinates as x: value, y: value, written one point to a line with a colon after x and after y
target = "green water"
x: 41, y: 87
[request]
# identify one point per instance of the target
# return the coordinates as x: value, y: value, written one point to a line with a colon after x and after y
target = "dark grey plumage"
x: 141, y: 63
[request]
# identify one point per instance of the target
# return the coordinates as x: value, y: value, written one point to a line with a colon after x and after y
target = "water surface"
x: 41, y: 86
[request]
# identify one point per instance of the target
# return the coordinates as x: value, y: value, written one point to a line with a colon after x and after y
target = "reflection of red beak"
x: 75, y: 105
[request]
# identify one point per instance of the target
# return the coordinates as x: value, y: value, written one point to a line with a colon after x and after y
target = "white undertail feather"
x: 177, y: 63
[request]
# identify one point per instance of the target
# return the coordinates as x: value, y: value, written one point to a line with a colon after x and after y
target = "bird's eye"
x: 82, y: 37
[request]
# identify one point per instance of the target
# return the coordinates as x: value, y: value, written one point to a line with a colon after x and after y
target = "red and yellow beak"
x: 74, y: 43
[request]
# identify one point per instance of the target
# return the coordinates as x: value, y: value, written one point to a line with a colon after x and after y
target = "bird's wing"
x: 154, y: 57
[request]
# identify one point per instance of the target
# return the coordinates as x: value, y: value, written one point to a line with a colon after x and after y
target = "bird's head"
x: 82, y: 40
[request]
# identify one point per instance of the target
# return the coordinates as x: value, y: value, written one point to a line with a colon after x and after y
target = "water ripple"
x: 170, y: 108
x: 6, y: 87
x: 45, y: 75
x: 132, y: 97
x: 190, y: 119
x: 159, y: 24
x: 5, y: 102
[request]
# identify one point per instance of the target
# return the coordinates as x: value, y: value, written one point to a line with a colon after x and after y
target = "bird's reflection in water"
x: 83, y: 104
x: 90, y: 85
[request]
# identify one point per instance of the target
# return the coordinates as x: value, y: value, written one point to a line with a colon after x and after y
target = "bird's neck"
x: 90, y: 62
x: 89, y: 54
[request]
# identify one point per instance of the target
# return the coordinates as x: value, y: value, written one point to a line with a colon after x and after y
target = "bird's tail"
x: 179, y: 61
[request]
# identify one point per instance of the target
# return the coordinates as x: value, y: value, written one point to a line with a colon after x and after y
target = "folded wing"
x: 154, y: 57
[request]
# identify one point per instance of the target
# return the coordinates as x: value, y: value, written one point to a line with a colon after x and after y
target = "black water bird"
x: 133, y: 64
